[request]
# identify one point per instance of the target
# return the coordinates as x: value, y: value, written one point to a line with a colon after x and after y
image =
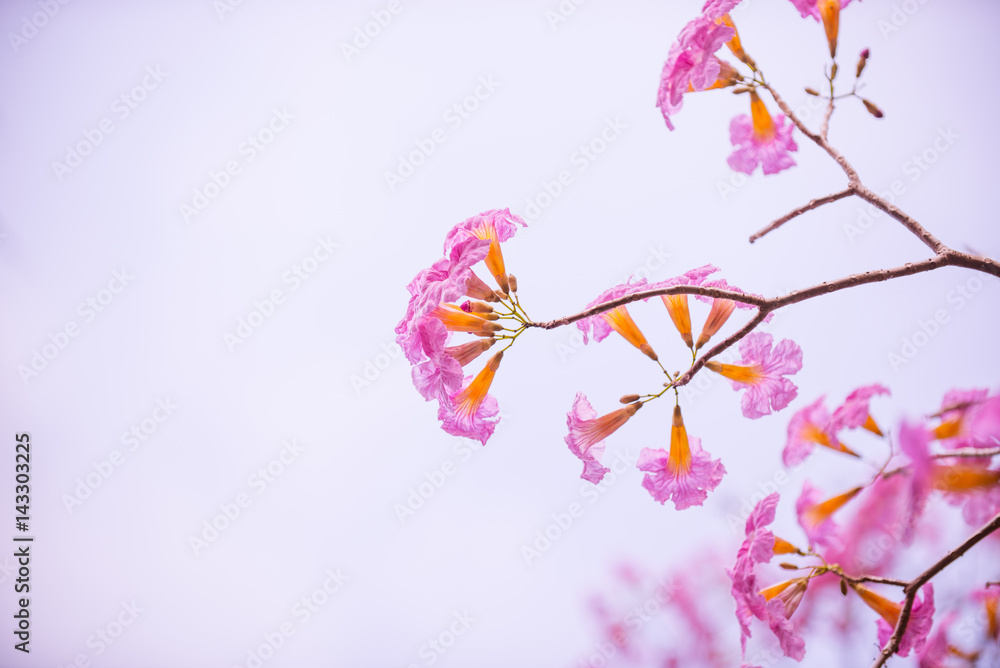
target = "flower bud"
x: 862, y: 61
x: 512, y: 282
x: 812, y: 91
x: 629, y: 399
x: 872, y: 109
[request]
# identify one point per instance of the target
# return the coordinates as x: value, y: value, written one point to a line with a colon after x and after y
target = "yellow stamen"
x: 457, y: 320
x: 622, y: 322
x: 468, y: 400
x: 829, y: 11
x: 871, y: 426
x: 821, y: 512
x: 962, y: 477
x: 885, y: 608
x: 680, y: 449
x: 763, y: 125
x: 677, y: 307
x: 748, y: 375
x: 717, y: 317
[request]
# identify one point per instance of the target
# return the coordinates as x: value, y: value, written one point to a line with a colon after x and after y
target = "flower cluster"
x: 684, y: 473
x: 465, y: 407
x: 891, y: 505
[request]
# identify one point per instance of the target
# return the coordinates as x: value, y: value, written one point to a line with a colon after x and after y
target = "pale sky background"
x: 653, y: 202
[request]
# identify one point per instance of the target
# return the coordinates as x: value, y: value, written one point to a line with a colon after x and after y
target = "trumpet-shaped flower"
x: 440, y: 373
x: 827, y: 11
x: 685, y: 474
x: 854, y: 412
x: 721, y: 310
x: 757, y: 548
x: 760, y: 140
x: 680, y: 315
x: 494, y: 226
x: 471, y: 411
x: 587, y: 433
x: 921, y: 617
x: 969, y: 419
x: 445, y: 280
x: 762, y: 373
x: 816, y: 515
x: 809, y: 427
x: 692, y: 64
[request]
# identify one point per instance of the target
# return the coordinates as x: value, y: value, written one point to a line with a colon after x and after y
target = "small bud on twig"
x: 512, y: 281
x: 861, y: 63
x: 629, y: 399
x: 812, y: 91
x: 788, y: 567
x: 872, y: 109
x: 843, y: 587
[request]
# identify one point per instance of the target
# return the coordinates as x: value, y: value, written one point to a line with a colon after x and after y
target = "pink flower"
x: 721, y: 310
x: 855, y: 410
x: 686, y: 474
x: 969, y: 419
x: 816, y: 515
x: 809, y: 427
x: 495, y: 226
x: 811, y: 7
x: 778, y: 619
x: 444, y: 281
x: 440, y: 373
x: 919, y: 626
x: 870, y: 537
x: 937, y: 651
x: 691, y: 64
x: 762, y: 373
x: 757, y: 548
x: 827, y: 11
x: 761, y: 141
x: 914, y: 442
x: 471, y: 412
x: 587, y: 433
x: 619, y: 320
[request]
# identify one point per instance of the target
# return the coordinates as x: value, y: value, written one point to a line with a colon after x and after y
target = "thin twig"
x: 914, y: 586
x: 794, y: 213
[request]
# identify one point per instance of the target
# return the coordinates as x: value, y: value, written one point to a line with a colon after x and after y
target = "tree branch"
x: 914, y: 586
x: 794, y: 213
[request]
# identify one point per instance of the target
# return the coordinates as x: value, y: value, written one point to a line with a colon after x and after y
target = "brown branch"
x: 794, y: 213
x: 908, y: 222
x: 914, y: 586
